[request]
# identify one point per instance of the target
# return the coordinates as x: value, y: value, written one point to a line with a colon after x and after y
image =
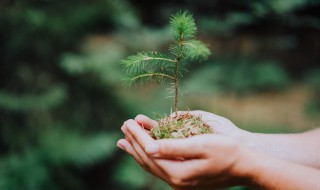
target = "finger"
x: 218, y: 123
x: 176, y: 148
x: 147, y: 163
x: 137, y: 148
x: 146, y: 122
x: 164, y: 168
x: 140, y: 153
x: 124, y: 130
x: 138, y: 134
x: 129, y: 144
x: 126, y: 146
x: 129, y: 140
x: 160, y: 168
x: 185, y: 170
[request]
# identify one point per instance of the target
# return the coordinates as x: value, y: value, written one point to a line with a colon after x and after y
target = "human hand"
x: 229, y: 157
x: 200, y: 162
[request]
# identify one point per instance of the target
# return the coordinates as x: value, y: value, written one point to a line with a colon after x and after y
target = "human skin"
x: 213, y: 161
x: 301, y: 148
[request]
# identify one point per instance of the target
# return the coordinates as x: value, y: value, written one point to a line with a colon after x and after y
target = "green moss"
x: 181, y: 126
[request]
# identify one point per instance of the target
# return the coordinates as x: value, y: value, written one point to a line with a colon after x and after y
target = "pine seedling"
x: 146, y: 66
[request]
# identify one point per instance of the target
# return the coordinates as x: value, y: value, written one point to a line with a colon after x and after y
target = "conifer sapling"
x: 145, y: 66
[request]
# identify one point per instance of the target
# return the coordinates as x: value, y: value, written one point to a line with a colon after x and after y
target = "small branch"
x: 188, y: 43
x: 159, y: 58
x: 176, y: 80
x: 152, y: 75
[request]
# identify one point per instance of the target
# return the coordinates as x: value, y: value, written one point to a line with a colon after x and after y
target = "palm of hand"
x: 212, y: 157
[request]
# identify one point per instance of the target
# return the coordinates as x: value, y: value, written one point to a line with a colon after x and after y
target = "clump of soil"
x: 181, y: 126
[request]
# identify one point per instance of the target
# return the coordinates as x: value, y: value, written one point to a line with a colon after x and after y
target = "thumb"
x: 176, y: 148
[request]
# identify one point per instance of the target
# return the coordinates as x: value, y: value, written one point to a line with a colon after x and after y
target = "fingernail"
x: 123, y: 129
x: 121, y: 146
x: 152, y: 149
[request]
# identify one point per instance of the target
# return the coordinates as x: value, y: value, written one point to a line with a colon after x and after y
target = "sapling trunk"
x: 178, y: 58
x: 153, y: 65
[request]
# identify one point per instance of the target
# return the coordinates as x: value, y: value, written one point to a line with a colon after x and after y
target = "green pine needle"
x: 183, y: 23
x: 195, y: 50
x: 147, y: 76
x: 136, y: 63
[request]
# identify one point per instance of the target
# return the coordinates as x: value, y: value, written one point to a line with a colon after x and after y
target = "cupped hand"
x: 200, y: 162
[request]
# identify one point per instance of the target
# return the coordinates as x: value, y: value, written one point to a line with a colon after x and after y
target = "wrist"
x: 248, y: 157
x: 244, y: 137
x: 243, y: 169
x: 249, y: 139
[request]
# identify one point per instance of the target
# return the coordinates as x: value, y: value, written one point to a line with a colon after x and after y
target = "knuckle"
x: 232, y: 146
x: 235, y: 147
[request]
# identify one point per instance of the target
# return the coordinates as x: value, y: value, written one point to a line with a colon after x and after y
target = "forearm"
x: 267, y: 172
x: 299, y: 148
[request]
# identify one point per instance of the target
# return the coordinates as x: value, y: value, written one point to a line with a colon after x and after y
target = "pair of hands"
x: 199, y: 162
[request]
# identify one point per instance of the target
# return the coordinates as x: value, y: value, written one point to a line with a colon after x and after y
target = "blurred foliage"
x: 44, y: 101
x: 241, y: 76
x: 106, y: 72
x: 34, y: 167
x: 56, y: 129
x: 61, y: 100
x: 313, y: 80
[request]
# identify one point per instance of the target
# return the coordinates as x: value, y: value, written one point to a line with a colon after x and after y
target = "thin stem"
x: 159, y: 58
x: 152, y: 75
x: 187, y: 43
x: 176, y: 81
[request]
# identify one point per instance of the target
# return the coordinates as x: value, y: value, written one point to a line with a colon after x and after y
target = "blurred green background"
x: 62, y: 102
